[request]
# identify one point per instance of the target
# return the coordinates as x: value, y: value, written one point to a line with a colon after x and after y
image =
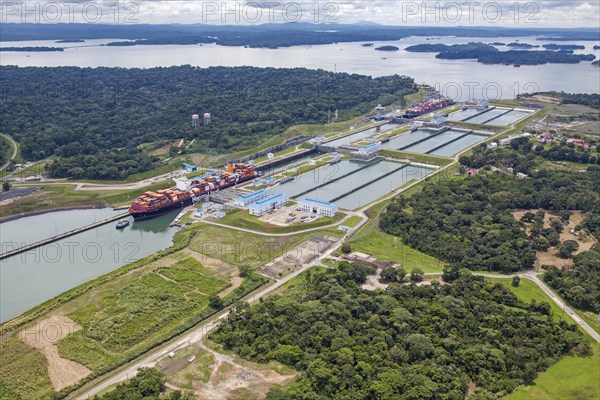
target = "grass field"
x: 391, y: 248
x: 418, y: 158
x: 243, y: 219
x: 23, y: 371
x: 242, y: 248
x: 352, y: 221
x: 53, y: 196
x: 284, y: 152
x: 65, y: 195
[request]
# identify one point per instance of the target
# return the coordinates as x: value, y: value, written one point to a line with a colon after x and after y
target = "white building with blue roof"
x: 318, y: 207
x: 247, y: 199
x: 268, y: 204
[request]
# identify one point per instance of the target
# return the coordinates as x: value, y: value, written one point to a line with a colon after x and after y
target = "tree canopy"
x: 102, y: 122
x: 405, y: 342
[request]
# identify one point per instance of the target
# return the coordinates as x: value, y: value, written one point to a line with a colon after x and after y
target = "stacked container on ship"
x: 153, y: 204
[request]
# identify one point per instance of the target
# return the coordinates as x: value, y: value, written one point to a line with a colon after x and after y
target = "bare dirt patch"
x: 373, y: 282
x: 43, y: 336
x: 216, y: 376
x: 305, y: 253
x: 550, y: 256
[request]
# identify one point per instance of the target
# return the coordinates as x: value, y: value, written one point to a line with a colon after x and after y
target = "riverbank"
x: 13, y: 217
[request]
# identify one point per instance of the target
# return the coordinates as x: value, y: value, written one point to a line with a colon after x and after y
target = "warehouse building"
x: 247, y: 199
x: 318, y: 207
x: 264, y: 206
x: 189, y: 167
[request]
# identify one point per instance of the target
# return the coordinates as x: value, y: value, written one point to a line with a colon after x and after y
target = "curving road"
x: 14, y: 147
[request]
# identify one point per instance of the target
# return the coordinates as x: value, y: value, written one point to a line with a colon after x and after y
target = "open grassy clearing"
x: 322, y: 130
x: 23, y: 372
x: 243, y: 219
x: 283, y: 152
x: 417, y: 158
x: 352, y: 221
x: 65, y: 195
x: 242, y: 248
x: 391, y: 248
x: 53, y: 196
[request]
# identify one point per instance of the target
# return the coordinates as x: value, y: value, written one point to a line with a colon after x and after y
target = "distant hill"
x: 269, y: 35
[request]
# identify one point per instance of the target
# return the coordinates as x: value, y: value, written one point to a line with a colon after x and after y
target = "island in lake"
x: 387, y: 48
x: 522, y: 45
x: 554, y: 46
x: 31, y: 49
x: 368, y: 44
x: 70, y: 41
x: 487, y: 54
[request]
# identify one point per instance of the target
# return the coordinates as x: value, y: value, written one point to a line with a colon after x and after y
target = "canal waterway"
x: 28, y: 279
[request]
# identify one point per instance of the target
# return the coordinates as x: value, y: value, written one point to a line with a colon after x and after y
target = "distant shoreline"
x: 13, y: 217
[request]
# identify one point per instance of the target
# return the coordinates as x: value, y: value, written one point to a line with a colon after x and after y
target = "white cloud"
x: 543, y: 13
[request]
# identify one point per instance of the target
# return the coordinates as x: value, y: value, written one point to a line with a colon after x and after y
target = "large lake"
x: 460, y: 79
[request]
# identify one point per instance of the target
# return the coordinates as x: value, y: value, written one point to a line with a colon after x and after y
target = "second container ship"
x: 153, y: 204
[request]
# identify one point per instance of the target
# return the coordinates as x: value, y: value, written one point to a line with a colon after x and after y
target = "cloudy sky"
x: 544, y: 13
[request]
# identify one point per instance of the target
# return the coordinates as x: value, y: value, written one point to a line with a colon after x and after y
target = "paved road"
x: 348, y: 216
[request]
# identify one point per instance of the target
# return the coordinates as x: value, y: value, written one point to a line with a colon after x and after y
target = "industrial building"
x: 368, y: 152
x: 318, y: 207
x: 264, y: 206
x: 189, y: 167
x: 247, y: 199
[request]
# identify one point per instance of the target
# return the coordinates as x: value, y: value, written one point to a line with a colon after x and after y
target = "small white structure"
x: 264, y: 206
x: 195, y: 121
x: 207, y: 119
x: 318, y: 207
x: 369, y: 150
x: 247, y: 199
x: 492, y: 145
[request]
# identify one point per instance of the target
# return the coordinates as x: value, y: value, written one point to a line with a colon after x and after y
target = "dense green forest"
x: 4, y: 150
x: 96, y: 119
x: 405, y: 342
x: 579, y: 284
x: 488, y: 54
x: 467, y: 221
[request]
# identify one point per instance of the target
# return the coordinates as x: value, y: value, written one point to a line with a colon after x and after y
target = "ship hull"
x: 138, y: 216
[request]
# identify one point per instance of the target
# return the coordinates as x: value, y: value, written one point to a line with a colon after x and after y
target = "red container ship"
x: 427, y: 106
x: 153, y: 204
